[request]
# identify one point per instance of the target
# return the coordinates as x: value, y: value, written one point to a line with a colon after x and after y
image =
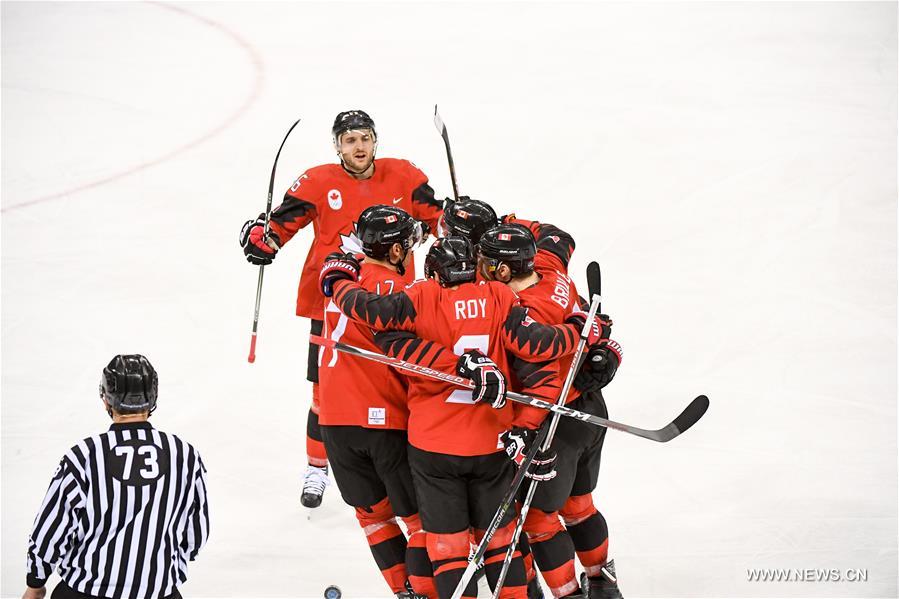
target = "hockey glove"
x: 517, y: 441
x: 338, y: 266
x: 489, y: 381
x: 599, y: 368
x: 599, y: 331
x: 259, y: 248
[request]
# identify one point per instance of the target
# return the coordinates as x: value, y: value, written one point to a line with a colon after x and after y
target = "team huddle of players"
x: 496, y: 306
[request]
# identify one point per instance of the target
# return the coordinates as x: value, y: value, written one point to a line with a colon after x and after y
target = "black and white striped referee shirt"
x: 124, y: 513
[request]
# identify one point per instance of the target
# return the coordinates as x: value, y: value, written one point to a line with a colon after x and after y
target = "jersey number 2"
x: 463, y: 344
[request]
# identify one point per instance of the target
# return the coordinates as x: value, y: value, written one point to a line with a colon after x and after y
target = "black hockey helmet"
x: 510, y: 244
x: 349, y: 120
x: 452, y: 258
x: 380, y: 226
x: 130, y: 384
x: 468, y: 218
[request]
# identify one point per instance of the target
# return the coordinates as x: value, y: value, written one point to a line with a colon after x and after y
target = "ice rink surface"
x: 732, y: 167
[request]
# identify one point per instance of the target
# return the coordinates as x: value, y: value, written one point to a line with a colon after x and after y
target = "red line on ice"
x: 259, y: 70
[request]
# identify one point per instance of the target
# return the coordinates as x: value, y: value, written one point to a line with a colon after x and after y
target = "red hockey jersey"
x: 549, y: 301
x: 331, y: 200
x: 484, y: 316
x: 355, y: 391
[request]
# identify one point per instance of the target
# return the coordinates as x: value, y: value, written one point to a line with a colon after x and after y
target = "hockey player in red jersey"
x: 363, y: 414
x: 537, y: 269
x: 330, y: 197
x: 455, y: 453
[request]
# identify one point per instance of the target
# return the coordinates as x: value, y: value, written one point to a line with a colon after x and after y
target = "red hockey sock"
x: 588, y: 531
x: 516, y: 583
x: 449, y: 555
x: 315, y: 447
x: 553, y: 551
x: 418, y: 564
x: 386, y: 541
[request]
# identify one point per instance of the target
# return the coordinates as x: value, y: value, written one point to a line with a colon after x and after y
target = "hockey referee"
x: 126, y: 509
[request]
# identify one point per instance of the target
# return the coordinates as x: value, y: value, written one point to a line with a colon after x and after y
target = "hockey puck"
x: 332, y: 592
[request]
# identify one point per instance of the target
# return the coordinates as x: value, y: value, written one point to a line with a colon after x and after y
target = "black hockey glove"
x: 489, y: 381
x: 338, y: 266
x: 599, y: 331
x: 257, y: 246
x: 517, y: 441
x: 599, y: 367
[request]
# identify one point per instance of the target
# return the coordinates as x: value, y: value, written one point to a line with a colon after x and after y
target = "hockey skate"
x: 314, y: 482
x: 409, y: 593
x: 604, y: 586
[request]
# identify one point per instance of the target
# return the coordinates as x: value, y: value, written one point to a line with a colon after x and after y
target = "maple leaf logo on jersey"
x: 351, y: 244
x: 335, y: 200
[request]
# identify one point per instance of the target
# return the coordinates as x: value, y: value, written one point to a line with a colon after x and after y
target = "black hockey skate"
x: 409, y: 593
x: 314, y: 482
x: 604, y: 586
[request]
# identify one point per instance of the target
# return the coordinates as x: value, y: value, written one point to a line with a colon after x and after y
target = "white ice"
x: 731, y: 165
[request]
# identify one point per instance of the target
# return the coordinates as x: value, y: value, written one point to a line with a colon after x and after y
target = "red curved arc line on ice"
x: 251, y: 98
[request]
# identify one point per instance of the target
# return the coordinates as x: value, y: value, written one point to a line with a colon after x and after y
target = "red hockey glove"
x: 599, y: 331
x: 517, y: 441
x: 258, y: 247
x: 489, y: 381
x: 338, y: 266
x: 599, y: 368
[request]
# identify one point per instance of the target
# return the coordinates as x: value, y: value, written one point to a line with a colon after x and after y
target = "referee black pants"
x: 64, y: 591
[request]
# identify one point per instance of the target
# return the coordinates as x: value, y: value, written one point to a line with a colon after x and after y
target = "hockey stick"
x: 268, y: 211
x: 438, y: 122
x: 594, y: 281
x: 691, y: 414
x: 543, y: 440
x: 594, y: 285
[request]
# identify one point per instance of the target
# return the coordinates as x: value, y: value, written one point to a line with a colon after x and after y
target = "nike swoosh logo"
x: 397, y: 200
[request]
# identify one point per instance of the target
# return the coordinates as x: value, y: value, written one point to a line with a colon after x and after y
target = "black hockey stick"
x: 685, y: 420
x: 438, y: 122
x: 594, y: 285
x: 594, y: 281
x: 268, y: 211
x: 545, y: 444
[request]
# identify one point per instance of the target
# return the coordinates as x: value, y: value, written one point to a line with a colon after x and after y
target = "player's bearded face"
x: 357, y: 149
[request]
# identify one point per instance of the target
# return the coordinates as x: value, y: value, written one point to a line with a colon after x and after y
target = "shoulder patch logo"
x: 335, y: 200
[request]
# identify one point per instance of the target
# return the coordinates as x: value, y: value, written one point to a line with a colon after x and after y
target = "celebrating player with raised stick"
x: 330, y: 197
